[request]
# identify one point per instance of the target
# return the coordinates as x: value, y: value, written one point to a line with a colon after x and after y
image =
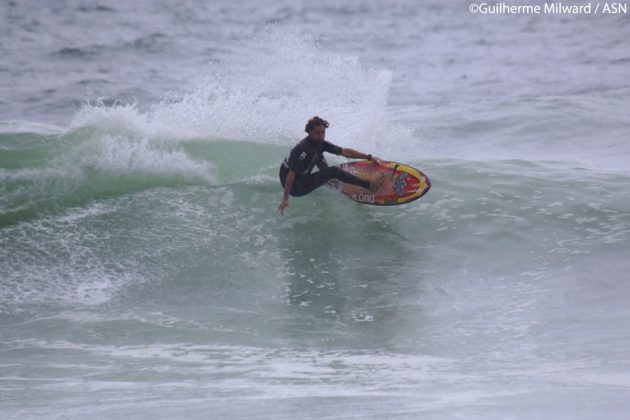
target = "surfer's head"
x: 316, y: 128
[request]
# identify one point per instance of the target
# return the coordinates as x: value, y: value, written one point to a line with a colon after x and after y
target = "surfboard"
x: 401, y: 183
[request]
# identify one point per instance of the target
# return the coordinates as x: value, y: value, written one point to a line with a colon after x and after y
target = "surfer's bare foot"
x: 376, y: 182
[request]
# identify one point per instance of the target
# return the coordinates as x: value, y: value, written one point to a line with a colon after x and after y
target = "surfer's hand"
x: 283, y: 205
x: 376, y: 160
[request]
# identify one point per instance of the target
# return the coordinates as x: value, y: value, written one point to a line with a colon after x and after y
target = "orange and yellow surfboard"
x: 400, y: 183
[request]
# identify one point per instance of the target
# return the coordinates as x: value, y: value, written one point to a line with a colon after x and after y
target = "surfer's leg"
x: 304, y: 184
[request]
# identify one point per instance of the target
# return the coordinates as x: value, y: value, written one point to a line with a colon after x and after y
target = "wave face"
x: 142, y: 257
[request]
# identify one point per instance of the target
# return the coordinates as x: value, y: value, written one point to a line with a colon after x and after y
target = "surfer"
x: 295, y: 172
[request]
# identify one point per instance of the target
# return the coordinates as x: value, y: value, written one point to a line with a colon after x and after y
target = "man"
x: 295, y: 172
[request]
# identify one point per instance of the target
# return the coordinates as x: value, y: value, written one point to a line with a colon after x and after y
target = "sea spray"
x: 235, y: 100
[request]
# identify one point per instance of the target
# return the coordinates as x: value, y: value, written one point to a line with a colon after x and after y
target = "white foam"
x: 34, y: 275
x: 128, y: 154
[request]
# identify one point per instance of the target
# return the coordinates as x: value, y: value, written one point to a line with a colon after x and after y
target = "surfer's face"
x: 318, y: 133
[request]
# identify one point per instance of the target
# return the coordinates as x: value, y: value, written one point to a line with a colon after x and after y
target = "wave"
x: 532, y: 218
x: 46, y: 171
x: 41, y: 172
x: 152, y: 43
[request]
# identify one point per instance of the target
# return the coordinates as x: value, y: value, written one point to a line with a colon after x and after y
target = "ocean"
x: 146, y: 273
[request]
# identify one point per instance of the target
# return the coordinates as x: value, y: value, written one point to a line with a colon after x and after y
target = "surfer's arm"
x: 354, y: 154
x: 288, y: 186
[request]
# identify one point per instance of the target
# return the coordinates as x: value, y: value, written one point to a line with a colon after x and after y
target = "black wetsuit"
x: 303, y: 157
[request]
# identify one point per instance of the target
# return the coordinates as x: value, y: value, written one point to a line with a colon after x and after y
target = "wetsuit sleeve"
x: 331, y: 148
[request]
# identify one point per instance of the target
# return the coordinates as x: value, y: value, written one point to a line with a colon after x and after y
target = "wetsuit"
x: 303, y: 157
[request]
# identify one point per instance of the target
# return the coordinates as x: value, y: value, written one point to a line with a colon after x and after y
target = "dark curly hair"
x: 314, y: 122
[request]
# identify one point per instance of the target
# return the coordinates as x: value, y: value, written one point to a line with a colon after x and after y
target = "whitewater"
x: 145, y: 271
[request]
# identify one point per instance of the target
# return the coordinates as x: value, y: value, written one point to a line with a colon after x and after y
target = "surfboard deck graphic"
x: 400, y: 183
